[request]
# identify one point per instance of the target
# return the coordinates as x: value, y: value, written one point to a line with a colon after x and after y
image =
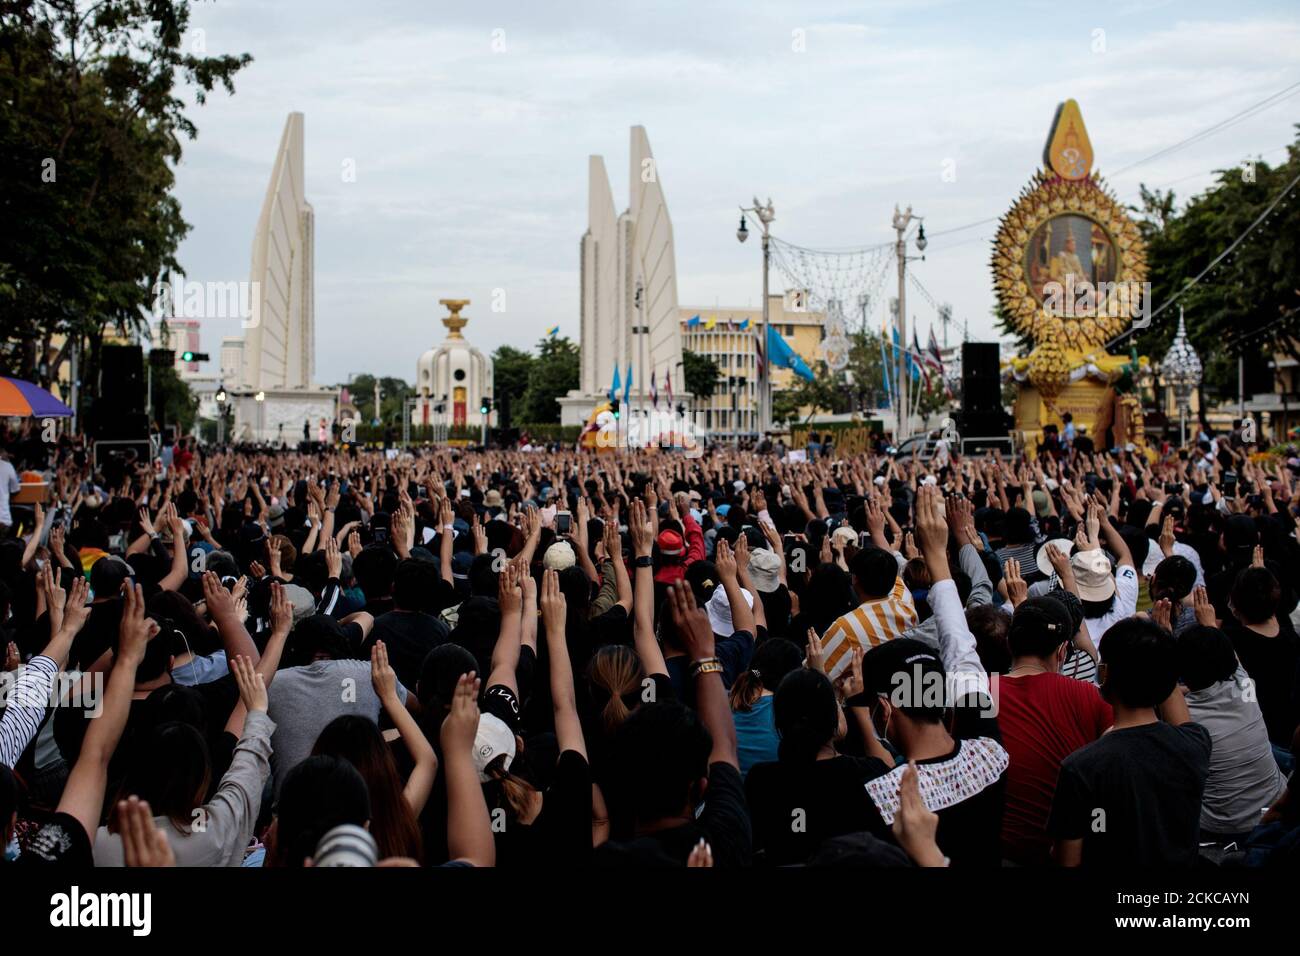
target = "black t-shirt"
x: 795, y: 808
x: 409, y: 636
x: 1134, y: 796
x: 724, y: 823
x: 1273, y: 664
x: 561, y: 833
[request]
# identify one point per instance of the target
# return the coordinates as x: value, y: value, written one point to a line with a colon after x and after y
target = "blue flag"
x: 613, y: 389
x: 780, y: 355
x: 693, y: 321
x: 627, y: 383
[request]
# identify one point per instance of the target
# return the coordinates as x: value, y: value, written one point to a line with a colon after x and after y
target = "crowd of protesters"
x: 481, y: 657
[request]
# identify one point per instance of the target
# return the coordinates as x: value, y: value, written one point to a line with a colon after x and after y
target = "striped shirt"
x: 25, y: 701
x: 868, y: 626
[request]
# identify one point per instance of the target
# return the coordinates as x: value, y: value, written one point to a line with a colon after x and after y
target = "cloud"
x: 471, y: 164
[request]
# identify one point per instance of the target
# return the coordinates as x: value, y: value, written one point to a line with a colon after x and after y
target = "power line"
x: 1210, y: 268
x: 1263, y: 104
x: 1218, y: 127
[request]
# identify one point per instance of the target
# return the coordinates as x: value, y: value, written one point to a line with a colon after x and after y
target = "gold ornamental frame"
x: 1047, y: 197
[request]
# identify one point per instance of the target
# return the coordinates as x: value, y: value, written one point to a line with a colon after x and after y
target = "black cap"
x: 1045, y: 615
x: 890, y: 668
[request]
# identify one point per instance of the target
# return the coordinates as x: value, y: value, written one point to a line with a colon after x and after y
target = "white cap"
x: 493, y: 739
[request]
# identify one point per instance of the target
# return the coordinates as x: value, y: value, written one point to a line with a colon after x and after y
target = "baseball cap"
x: 275, y: 515
x: 738, y: 485
x: 1093, y: 575
x: 107, y: 575
x: 919, y: 662
x: 493, y: 739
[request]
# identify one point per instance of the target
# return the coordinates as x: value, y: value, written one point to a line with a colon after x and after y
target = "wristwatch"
x: 644, y: 561
x: 709, y: 665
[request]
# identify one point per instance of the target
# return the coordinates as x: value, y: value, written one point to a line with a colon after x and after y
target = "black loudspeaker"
x: 981, y: 378
x: 121, y: 377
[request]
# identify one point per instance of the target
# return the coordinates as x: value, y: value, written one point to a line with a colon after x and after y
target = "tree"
x: 817, y: 394
x: 555, y: 372
x: 91, y: 123
x: 699, y: 373
x: 393, y: 393
x: 1249, y: 305
x: 511, y: 370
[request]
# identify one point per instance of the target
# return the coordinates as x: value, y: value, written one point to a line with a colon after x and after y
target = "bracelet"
x: 449, y: 527
x: 644, y: 561
x: 709, y: 665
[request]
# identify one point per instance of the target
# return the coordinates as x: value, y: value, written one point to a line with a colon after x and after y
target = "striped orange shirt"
x: 868, y: 625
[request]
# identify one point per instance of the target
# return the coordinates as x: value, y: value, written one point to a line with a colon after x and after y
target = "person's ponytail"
x: 516, y: 791
x: 747, y: 689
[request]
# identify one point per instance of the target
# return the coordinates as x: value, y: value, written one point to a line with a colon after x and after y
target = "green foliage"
x: 700, y: 373
x: 511, y: 370
x: 393, y: 393
x: 173, y: 402
x: 92, y: 114
x: 1250, y: 304
x: 553, y: 374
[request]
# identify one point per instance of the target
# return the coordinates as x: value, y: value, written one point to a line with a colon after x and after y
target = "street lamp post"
x: 901, y: 221
x: 1181, y: 369
x: 221, y: 414
x: 260, y: 398
x: 766, y: 215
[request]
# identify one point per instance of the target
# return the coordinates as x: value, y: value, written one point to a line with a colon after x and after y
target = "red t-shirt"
x: 1043, y: 719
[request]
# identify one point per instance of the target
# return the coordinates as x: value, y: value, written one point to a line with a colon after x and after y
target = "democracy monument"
x: 630, y: 329
x: 268, y: 372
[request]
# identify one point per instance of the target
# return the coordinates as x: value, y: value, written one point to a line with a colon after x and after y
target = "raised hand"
x: 915, y: 825
x: 281, y: 610
x: 554, y: 606
x: 816, y: 657
x: 510, y: 596
x: 136, y: 630
x: 1017, y: 589
x: 640, y: 529
x: 461, y: 723
x: 725, y: 561
x: 333, y: 557
x: 1162, y: 614
x: 382, y: 675
x: 692, y: 623
x: 1204, y: 610
x: 143, y: 844
x: 251, y: 684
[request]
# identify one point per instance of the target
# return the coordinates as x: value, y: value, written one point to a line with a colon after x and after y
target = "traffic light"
x: 613, y: 407
x: 485, y: 406
x: 161, y: 358
x: 194, y: 356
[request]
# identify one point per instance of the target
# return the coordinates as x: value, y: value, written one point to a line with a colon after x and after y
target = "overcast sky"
x: 469, y: 127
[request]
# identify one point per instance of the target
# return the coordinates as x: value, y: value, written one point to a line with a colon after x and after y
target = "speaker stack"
x: 981, y: 414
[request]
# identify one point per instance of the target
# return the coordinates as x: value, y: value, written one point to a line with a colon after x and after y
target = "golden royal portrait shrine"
x: 1070, y: 272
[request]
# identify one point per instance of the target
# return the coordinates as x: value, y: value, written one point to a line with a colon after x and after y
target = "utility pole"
x: 641, y: 330
x: 766, y: 215
x: 901, y: 222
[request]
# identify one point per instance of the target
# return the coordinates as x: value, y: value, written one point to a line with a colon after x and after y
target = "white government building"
x: 267, y: 374
x: 628, y: 289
